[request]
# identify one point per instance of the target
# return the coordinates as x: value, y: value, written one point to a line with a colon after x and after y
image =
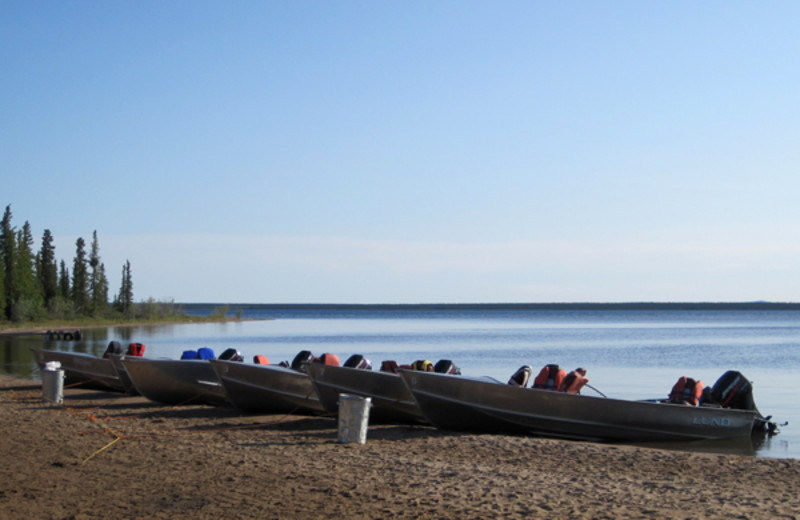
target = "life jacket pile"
x: 389, y: 366
x: 554, y: 378
x: 550, y: 378
x: 574, y: 381
x: 201, y: 353
x: 423, y: 365
x: 328, y: 359
x: 135, y: 350
x: 205, y: 353
x: 686, y: 391
x: 443, y: 366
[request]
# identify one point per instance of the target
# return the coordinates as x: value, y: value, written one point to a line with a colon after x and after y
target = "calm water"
x: 628, y: 354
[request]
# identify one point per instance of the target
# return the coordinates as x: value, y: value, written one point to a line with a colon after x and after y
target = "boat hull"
x: 175, y: 382
x: 459, y: 403
x: 83, y: 370
x: 267, y: 388
x: 122, y: 373
x: 390, y: 398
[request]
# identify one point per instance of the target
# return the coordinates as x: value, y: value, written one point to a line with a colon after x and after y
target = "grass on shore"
x: 164, y: 315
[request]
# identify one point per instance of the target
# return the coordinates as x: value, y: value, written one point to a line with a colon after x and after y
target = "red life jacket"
x: 686, y: 390
x: 550, y: 378
x: 389, y: 366
x: 574, y: 381
x: 260, y: 360
x: 136, y: 349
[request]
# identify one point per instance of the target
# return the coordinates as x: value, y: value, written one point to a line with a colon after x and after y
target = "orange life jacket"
x: 260, y: 360
x: 550, y: 377
x: 328, y: 359
x: 574, y: 381
x: 686, y: 390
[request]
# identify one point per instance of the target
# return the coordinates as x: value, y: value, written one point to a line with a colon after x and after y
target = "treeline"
x: 35, y: 286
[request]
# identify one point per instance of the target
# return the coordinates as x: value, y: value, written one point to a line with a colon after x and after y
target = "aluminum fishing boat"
x: 391, y: 399
x: 267, y: 388
x: 463, y: 403
x: 83, y: 370
x: 175, y: 381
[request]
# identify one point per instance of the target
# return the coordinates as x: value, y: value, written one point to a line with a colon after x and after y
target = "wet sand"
x: 105, y: 455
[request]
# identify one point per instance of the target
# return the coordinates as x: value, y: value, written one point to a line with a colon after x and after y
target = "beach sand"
x: 104, y: 455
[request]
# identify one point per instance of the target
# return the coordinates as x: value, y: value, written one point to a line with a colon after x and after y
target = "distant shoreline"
x: 578, y: 306
x: 30, y: 331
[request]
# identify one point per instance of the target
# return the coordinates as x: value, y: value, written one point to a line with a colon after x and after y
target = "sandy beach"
x: 105, y: 455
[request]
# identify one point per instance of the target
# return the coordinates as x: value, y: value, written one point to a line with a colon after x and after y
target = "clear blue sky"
x: 445, y: 151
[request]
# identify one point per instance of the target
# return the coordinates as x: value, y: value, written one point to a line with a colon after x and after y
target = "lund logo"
x: 705, y: 421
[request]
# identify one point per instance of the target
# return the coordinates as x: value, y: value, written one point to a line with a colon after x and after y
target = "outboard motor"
x: 521, y: 376
x: 358, y: 361
x: 114, y: 349
x: 733, y: 390
x: 231, y: 354
x: 302, y: 358
x: 445, y: 366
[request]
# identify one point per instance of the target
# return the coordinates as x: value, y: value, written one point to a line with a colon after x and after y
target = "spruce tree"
x: 63, y: 282
x: 80, y: 281
x: 8, y: 254
x: 124, y: 302
x: 98, y: 284
x: 47, y: 269
x: 28, y: 305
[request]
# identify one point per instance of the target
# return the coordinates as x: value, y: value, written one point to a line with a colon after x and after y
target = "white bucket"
x: 353, y: 418
x: 53, y: 382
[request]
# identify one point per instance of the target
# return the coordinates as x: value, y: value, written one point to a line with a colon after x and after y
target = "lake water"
x: 628, y: 354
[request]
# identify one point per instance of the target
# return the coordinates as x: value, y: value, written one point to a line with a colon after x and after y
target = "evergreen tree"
x: 28, y: 304
x: 63, y: 282
x: 80, y: 281
x: 8, y: 254
x: 98, y: 284
x: 47, y: 269
x: 124, y: 302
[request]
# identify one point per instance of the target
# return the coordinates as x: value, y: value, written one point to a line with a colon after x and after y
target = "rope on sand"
x: 101, y: 449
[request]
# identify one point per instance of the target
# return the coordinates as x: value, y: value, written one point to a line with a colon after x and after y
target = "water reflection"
x: 741, y: 446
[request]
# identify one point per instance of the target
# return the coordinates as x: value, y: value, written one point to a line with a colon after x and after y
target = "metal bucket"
x: 53, y: 382
x: 353, y: 418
